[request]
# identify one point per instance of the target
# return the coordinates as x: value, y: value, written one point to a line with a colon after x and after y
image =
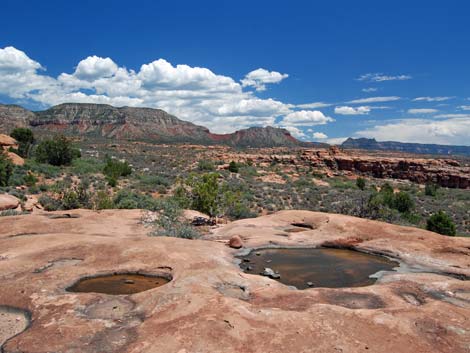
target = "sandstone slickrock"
x: 211, y: 305
x: 8, y: 202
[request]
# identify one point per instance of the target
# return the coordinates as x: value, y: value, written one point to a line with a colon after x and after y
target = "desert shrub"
x: 67, y: 196
x: 441, y: 223
x: 102, y: 201
x: 115, y: 169
x: 431, y: 189
x: 49, y: 171
x: 402, y: 202
x: 170, y: 222
x: 6, y: 169
x: 209, y: 194
x: 361, y: 183
x: 56, y: 151
x: 205, y: 165
x: 25, y: 139
x: 49, y: 203
x: 83, y: 166
x: 233, y: 167
x: 152, y: 183
x: 205, y: 192
x: 126, y: 199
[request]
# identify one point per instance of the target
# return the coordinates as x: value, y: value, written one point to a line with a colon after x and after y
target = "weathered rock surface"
x: 8, y: 202
x: 211, y: 305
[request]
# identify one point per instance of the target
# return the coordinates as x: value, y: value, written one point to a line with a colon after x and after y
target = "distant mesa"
x: 419, y: 148
x: 156, y: 125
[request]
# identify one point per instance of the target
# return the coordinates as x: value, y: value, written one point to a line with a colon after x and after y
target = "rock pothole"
x: 119, y: 283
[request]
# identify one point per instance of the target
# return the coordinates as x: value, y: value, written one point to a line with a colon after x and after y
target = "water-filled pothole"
x: 118, y: 284
x: 307, y: 268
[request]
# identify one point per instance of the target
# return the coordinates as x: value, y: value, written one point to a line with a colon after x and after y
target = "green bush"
x: 25, y: 139
x: 233, y: 167
x: 83, y: 166
x: 431, y: 189
x: 361, y: 183
x: 126, y: 199
x: 441, y: 223
x: 102, y: 201
x: 56, y: 151
x: 402, y: 202
x: 115, y: 169
x: 205, y: 165
x: 6, y: 169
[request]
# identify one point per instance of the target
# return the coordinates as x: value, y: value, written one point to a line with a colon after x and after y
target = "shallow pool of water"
x: 118, y: 284
x: 305, y: 268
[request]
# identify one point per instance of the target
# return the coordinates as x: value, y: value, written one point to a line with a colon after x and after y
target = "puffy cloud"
x: 13, y: 61
x: 465, y: 107
x: 94, y: 67
x: 374, y: 100
x: 319, y: 136
x: 315, y: 105
x: 345, y: 110
x: 295, y: 131
x: 422, y: 111
x: 379, y: 77
x: 192, y: 93
x: 370, y: 89
x: 432, y: 99
x: 260, y: 77
x: 449, y: 131
x: 160, y: 73
x: 19, y: 74
x: 306, y: 118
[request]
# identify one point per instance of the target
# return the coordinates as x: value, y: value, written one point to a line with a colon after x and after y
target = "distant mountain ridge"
x: 106, y: 121
x: 418, y: 148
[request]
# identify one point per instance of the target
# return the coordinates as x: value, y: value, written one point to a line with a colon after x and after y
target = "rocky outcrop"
x: 444, y: 172
x: 8, y: 202
x: 7, y: 142
x: 210, y: 305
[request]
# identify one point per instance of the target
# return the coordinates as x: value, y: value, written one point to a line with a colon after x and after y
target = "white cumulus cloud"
x: 448, y: 131
x: 260, y: 78
x: 306, y: 118
x: 345, y: 110
x: 195, y: 94
x: 319, y: 135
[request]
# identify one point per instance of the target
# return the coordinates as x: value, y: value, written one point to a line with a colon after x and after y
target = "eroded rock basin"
x: 320, y: 267
x: 118, y: 284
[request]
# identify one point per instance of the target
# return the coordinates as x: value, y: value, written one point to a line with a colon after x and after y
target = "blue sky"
x: 324, y: 70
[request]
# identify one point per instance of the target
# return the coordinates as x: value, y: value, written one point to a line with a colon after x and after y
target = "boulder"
x: 7, y: 141
x: 15, y: 159
x: 235, y: 242
x: 8, y: 202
